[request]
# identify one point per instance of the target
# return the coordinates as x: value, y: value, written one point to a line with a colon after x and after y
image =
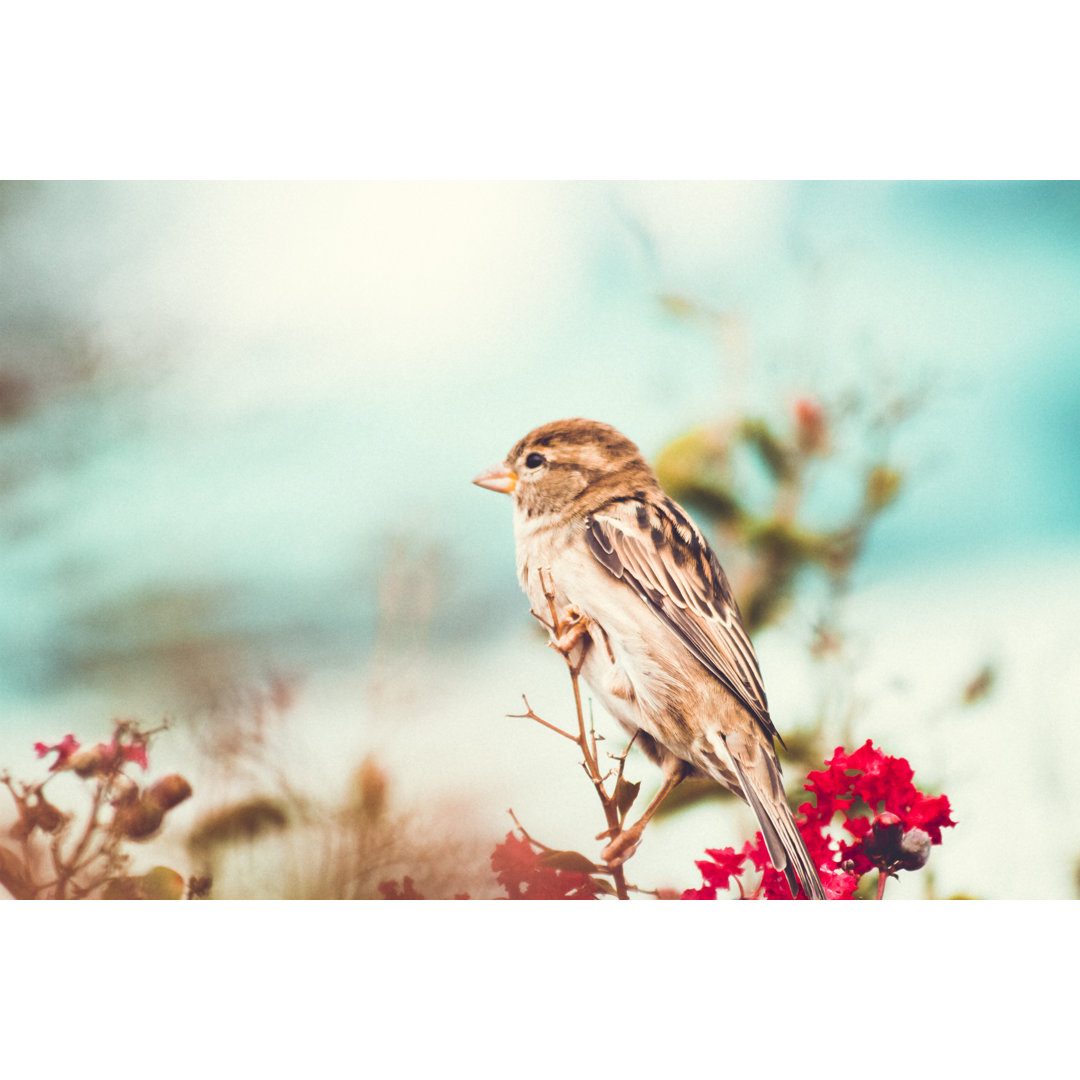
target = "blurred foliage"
x: 980, y: 686
x: 241, y: 822
x: 267, y: 838
x: 256, y: 834
x: 83, y: 852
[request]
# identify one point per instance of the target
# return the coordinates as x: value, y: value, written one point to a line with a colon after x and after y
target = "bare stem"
x: 65, y: 871
x: 530, y: 715
x: 882, y: 877
x: 586, y: 737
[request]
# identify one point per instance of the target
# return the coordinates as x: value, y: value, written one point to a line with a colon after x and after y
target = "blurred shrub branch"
x: 81, y: 854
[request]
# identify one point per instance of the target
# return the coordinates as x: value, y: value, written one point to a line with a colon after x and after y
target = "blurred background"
x: 238, y: 424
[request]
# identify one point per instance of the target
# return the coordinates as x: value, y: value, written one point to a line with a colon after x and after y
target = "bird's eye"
x: 534, y: 461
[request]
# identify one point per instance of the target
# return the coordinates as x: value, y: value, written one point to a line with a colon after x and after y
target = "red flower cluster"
x: 64, y: 749
x: 727, y: 864
x: 520, y: 871
x: 64, y: 854
x: 104, y: 757
x: 893, y: 825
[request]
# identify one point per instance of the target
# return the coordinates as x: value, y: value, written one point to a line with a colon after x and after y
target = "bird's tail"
x: 782, y: 838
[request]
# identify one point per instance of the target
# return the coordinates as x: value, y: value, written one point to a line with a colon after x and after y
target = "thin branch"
x: 530, y: 715
x: 562, y: 630
x: 525, y: 835
x: 65, y: 872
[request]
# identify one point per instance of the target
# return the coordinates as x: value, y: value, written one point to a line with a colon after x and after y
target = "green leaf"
x: 602, y: 885
x: 625, y: 794
x: 882, y: 486
x: 573, y: 861
x: 161, y: 883
x: 773, y: 453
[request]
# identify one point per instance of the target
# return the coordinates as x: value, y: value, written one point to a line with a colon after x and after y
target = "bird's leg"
x: 568, y: 629
x: 625, y: 842
x: 571, y: 627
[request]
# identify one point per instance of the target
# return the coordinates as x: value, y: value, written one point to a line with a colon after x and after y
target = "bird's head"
x: 569, y: 466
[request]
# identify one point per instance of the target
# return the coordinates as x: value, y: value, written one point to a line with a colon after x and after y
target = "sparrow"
x: 660, y: 641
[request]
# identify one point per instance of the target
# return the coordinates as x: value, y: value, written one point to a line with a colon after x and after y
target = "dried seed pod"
x: 915, y: 849
x: 169, y: 791
x: 138, y: 820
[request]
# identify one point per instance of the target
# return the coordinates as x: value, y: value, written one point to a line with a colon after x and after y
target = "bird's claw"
x: 573, y: 626
x: 622, y: 846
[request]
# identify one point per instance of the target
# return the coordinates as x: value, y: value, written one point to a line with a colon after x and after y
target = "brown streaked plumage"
x: 677, y: 667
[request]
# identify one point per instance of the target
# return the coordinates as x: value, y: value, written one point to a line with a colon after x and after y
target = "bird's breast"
x: 633, y: 665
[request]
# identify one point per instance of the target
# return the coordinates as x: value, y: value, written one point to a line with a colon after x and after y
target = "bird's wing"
x: 655, y: 549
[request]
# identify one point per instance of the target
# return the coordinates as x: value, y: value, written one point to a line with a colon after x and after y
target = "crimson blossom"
x: 872, y: 797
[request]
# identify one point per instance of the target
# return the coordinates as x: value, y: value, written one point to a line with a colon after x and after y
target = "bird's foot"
x: 570, y: 630
x: 622, y: 846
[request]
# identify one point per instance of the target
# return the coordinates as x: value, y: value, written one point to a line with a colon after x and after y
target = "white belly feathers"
x: 634, y: 634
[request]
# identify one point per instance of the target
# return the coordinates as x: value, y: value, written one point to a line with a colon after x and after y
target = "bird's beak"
x: 497, y: 478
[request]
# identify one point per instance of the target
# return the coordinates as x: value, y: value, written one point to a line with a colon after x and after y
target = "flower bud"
x: 371, y: 785
x: 882, y: 843
x: 811, y: 426
x: 890, y: 849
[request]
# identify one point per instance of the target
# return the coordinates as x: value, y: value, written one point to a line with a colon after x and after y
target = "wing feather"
x: 673, y: 570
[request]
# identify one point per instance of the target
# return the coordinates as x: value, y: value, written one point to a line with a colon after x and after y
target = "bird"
x: 657, y: 633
